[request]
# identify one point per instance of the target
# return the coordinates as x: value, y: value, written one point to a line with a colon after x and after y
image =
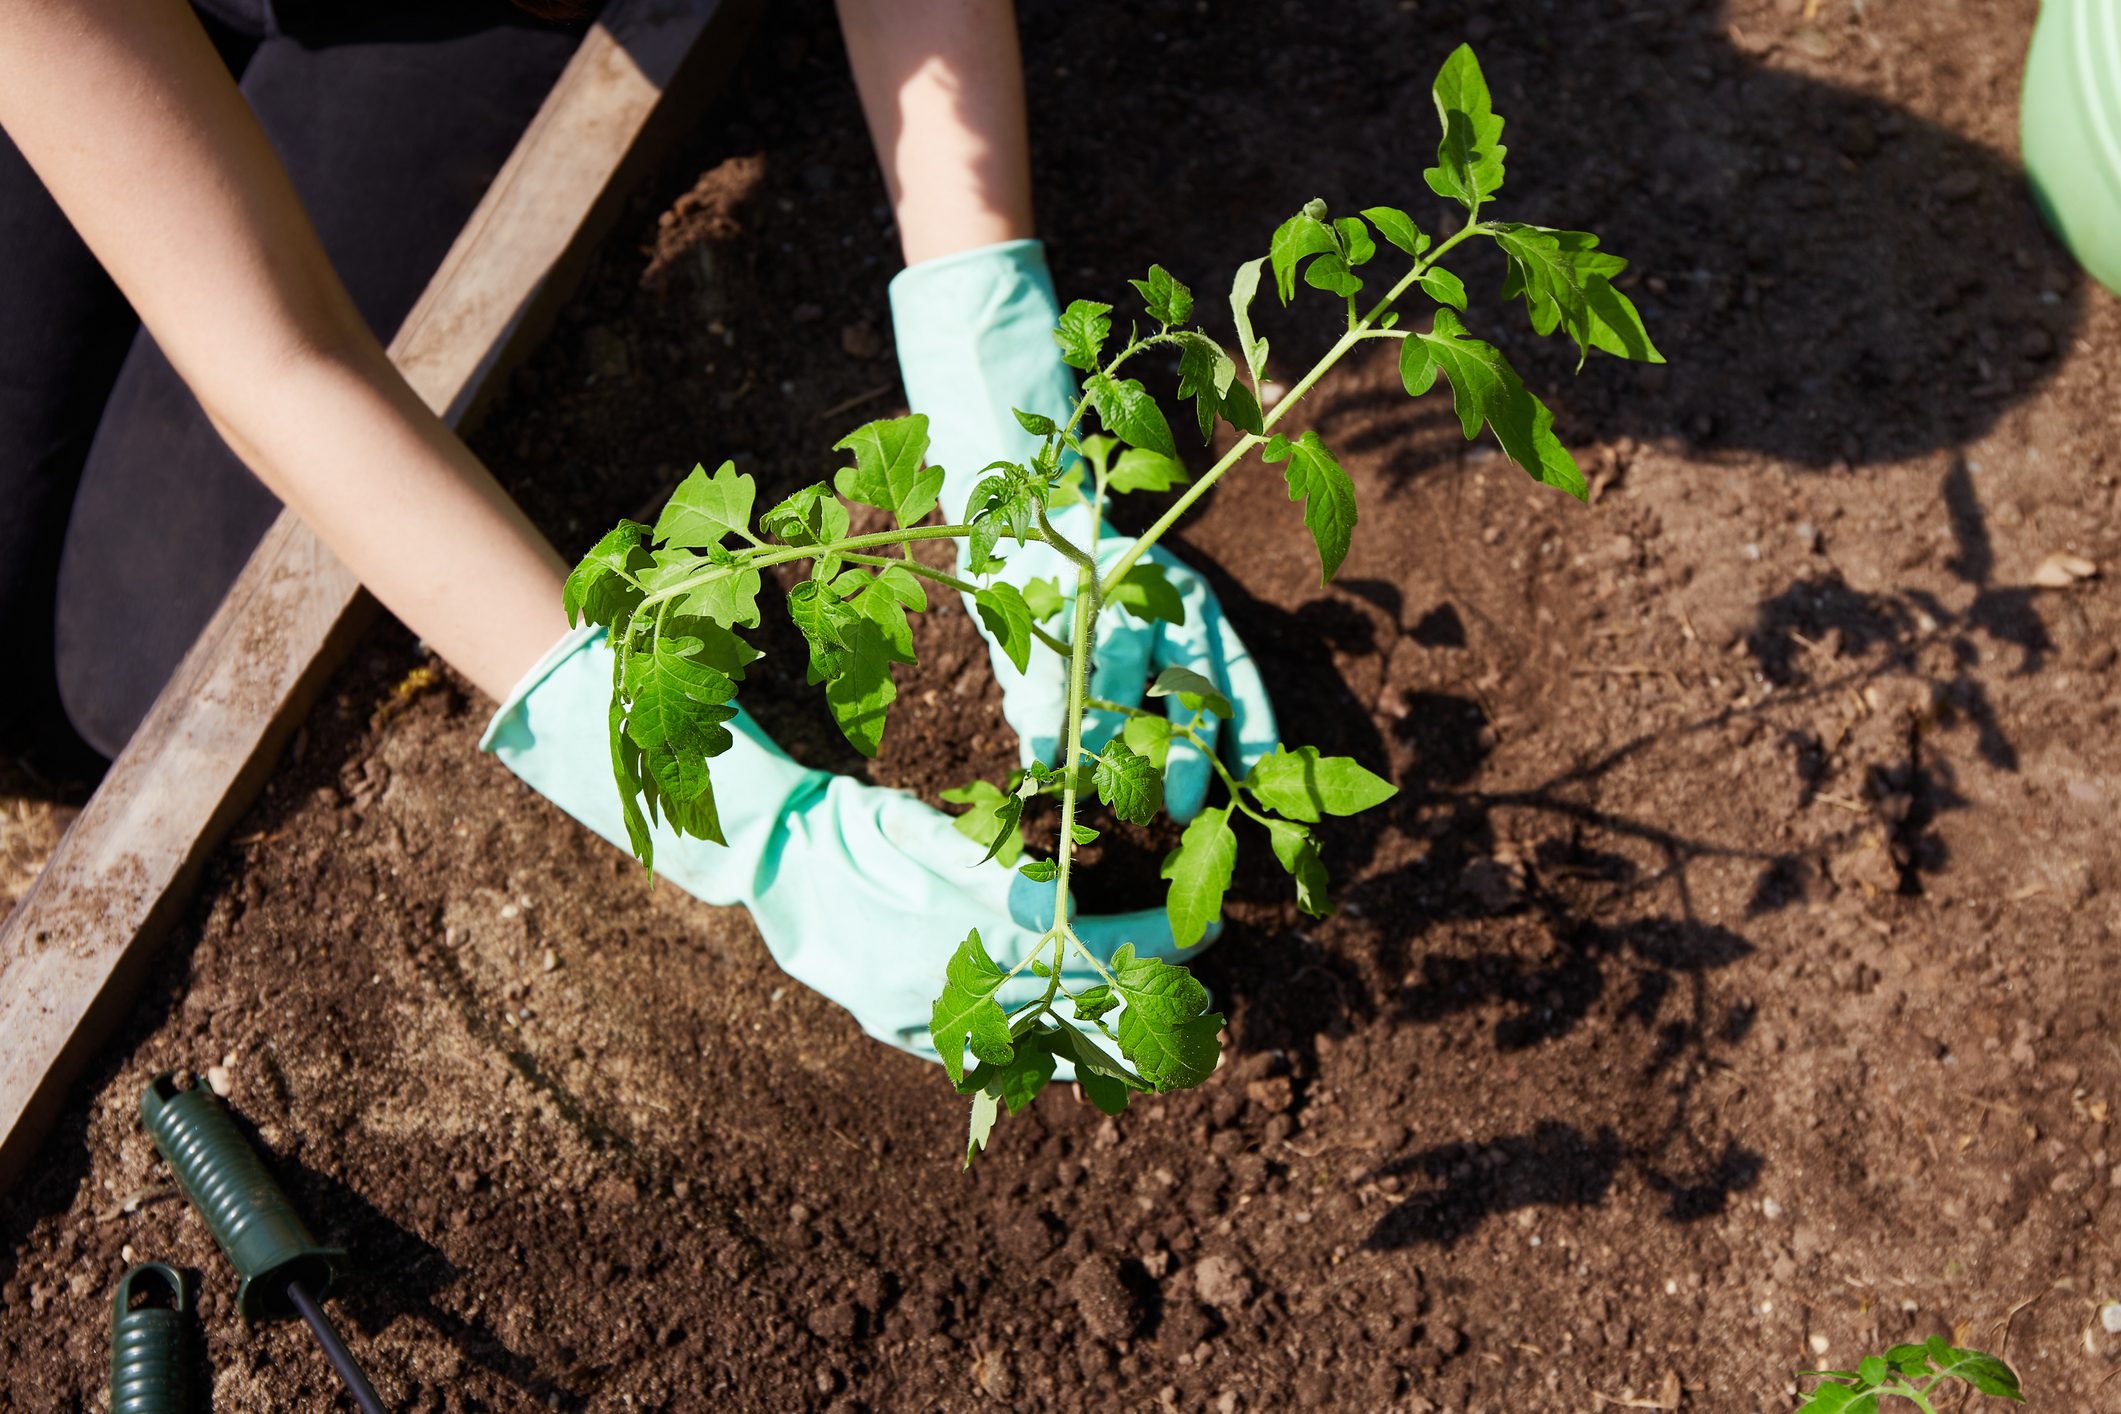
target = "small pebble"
x: 217, y: 1080
x: 1818, y: 1344
x: 551, y: 961
x: 2110, y: 1317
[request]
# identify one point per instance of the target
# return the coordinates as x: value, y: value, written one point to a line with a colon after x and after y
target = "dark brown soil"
x: 1732, y: 989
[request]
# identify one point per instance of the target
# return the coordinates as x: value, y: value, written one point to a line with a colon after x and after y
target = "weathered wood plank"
x: 75, y: 948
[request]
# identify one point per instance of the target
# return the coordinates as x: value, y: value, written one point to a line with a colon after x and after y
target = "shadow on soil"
x: 1574, y: 940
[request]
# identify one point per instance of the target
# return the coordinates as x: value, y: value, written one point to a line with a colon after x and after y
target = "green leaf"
x: 1081, y: 333
x: 1839, y: 1399
x: 706, y: 509
x: 861, y: 693
x: 1398, y: 228
x: 1194, y: 692
x: 1444, y: 287
x: 618, y: 554
x: 1298, y: 239
x: 1417, y: 366
x: 1241, y: 409
x: 1144, y: 471
x: 1129, y: 783
x: 888, y: 472
x: 1168, y: 301
x: 992, y: 821
x: 967, y: 1014
x: 1109, y: 1095
x: 1355, y: 243
x: 883, y: 599
x: 1104, y: 1080
x: 1485, y: 388
x: 1093, y: 1002
x: 625, y: 769
x: 1242, y: 288
x: 811, y: 516
x: 1166, y: 1030
x: 1199, y: 872
x: 1003, y: 610
x: 1082, y: 833
x: 1984, y: 1372
x: 1566, y: 282
x: 1017, y: 1081
x: 1044, y: 599
x: 1150, y: 736
x: 1040, y: 871
x: 1008, y: 502
x: 1316, y: 479
x: 679, y: 694
x: 731, y: 597
x: 1298, y: 854
x: 1304, y: 785
x: 825, y: 621
x: 1331, y: 274
x: 1206, y: 375
x: 1145, y: 593
x: 985, y: 1110
x: 1129, y: 413
x: 1035, y: 423
x: 1468, y: 166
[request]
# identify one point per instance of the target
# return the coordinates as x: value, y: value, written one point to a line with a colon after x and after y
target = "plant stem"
x: 786, y: 554
x: 1072, y: 552
x: 1249, y: 440
x: 1078, y: 660
x: 1229, y: 781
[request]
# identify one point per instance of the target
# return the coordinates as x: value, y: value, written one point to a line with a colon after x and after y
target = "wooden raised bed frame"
x: 73, y: 953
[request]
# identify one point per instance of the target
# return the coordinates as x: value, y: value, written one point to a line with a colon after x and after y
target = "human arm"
x: 942, y: 88
x: 131, y: 121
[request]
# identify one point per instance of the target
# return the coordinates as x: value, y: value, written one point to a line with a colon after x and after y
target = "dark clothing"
x: 123, y: 517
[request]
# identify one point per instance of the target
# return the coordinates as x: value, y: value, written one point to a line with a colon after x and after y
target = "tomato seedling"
x: 1909, y: 1372
x: 673, y: 597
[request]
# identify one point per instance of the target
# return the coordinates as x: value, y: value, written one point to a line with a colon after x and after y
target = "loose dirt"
x: 1731, y: 990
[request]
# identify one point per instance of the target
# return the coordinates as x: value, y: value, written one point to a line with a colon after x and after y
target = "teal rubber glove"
x: 861, y: 893
x: 975, y: 340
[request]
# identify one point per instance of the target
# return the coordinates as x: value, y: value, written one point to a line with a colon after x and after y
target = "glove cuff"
x: 553, y: 732
x: 974, y: 332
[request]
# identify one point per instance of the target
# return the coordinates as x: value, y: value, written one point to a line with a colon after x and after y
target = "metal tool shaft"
x: 335, y: 1350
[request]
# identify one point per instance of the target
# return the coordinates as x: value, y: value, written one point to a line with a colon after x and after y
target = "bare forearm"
x: 129, y: 118
x: 942, y: 87
x: 352, y: 450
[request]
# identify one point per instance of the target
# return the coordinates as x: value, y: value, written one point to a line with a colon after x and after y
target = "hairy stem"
x: 1078, y: 661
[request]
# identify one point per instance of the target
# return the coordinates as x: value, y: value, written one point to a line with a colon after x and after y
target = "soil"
x: 1732, y: 989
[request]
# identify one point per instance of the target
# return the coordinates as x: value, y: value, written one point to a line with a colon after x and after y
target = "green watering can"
x: 2071, y: 129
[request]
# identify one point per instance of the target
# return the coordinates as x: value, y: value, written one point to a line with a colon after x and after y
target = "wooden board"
x: 75, y: 948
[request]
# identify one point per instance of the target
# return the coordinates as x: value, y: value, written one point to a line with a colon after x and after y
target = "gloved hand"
x: 861, y: 893
x: 975, y: 340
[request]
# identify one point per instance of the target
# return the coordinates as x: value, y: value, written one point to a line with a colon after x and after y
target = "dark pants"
x: 123, y: 517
